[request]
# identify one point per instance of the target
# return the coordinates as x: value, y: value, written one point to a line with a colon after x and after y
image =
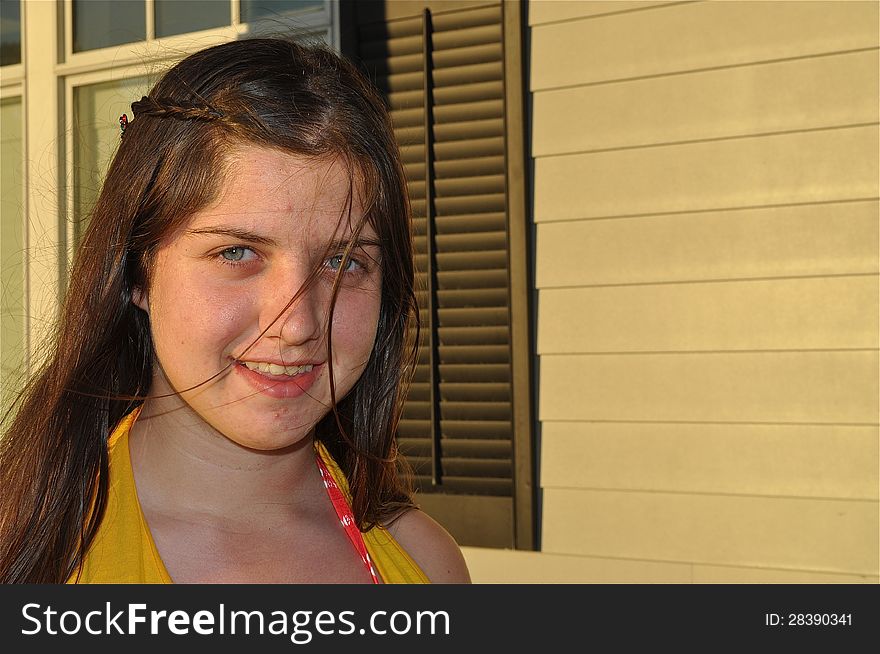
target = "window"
x: 452, y: 79
x: 96, y: 24
x: 96, y: 111
x: 102, y: 23
x: 12, y: 260
x: 13, y: 327
x: 10, y: 32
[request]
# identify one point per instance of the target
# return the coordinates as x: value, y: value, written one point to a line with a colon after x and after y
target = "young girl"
x: 221, y: 401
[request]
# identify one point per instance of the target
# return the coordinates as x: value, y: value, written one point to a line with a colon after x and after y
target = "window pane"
x: 96, y: 111
x: 181, y: 16
x: 102, y: 23
x: 12, y: 309
x: 256, y: 9
x: 10, y: 32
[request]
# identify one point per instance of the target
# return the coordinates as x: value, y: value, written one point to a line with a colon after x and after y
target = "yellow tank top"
x: 123, y: 550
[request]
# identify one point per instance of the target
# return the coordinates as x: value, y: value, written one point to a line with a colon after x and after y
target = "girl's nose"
x: 297, y: 322
x: 301, y: 323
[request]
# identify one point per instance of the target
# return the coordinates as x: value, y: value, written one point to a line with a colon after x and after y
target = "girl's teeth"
x: 275, y: 369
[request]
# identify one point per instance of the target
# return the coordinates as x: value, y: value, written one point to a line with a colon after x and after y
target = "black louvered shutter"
x: 442, y: 72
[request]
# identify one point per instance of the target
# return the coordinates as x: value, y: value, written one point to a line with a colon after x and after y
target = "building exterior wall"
x: 706, y: 209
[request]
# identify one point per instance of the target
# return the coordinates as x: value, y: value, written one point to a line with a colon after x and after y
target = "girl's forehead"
x: 279, y: 175
x: 274, y: 191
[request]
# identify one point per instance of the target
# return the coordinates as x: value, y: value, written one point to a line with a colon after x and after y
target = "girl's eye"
x: 335, y: 262
x: 237, y: 254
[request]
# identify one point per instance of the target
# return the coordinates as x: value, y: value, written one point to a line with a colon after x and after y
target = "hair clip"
x: 123, y: 123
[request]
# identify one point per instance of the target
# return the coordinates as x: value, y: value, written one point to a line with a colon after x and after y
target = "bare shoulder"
x: 431, y: 546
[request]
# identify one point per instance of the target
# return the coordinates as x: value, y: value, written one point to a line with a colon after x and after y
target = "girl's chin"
x: 265, y: 428
x: 274, y: 441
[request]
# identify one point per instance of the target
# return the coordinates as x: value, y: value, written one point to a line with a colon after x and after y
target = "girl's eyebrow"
x: 252, y: 237
x: 236, y: 233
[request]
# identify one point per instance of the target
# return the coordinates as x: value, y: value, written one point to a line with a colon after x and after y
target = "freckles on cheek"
x: 201, y: 317
x: 224, y: 322
x: 355, y: 325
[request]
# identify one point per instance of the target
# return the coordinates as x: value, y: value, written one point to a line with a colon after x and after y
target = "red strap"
x: 343, y: 510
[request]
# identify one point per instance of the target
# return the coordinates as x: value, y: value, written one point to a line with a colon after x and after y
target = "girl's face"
x: 226, y: 277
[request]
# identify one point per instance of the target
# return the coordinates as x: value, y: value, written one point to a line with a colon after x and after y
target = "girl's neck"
x: 185, y: 467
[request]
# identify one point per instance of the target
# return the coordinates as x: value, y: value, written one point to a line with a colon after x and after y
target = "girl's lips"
x: 280, y: 386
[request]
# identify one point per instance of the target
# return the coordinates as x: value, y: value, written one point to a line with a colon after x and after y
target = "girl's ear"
x: 139, y: 297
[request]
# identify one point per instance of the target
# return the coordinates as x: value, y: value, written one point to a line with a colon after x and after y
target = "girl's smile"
x: 279, y: 380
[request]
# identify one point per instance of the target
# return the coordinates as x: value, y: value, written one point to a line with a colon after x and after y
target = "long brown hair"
x: 267, y: 92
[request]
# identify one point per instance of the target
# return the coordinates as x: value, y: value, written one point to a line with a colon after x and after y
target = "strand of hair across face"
x: 165, y: 107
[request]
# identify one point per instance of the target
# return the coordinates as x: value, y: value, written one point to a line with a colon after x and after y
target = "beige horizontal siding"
x: 804, y: 167
x: 802, y: 534
x: 706, y: 186
x: 780, y: 314
x: 687, y: 37
x: 518, y: 567
x: 775, y: 387
x: 714, y: 574
x: 818, y: 461
x: 827, y: 91
x: 824, y: 239
x: 489, y: 566
x: 549, y: 11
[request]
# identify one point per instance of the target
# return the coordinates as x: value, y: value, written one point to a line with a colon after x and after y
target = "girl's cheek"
x: 358, y: 308
x: 355, y: 323
x: 228, y: 309
x: 198, y: 311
